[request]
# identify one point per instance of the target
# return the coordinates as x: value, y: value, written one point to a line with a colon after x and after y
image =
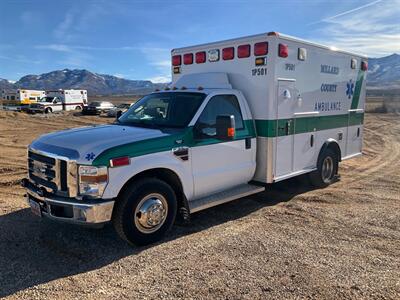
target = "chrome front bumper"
x: 72, y: 210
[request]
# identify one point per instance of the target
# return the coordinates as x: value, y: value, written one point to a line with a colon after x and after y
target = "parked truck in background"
x: 239, y: 114
x: 60, y: 100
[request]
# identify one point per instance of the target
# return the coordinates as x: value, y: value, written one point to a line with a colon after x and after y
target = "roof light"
x: 273, y: 33
x: 213, y: 55
x: 364, y: 65
x: 188, y: 58
x: 200, y: 88
x: 244, y: 51
x: 302, y: 54
x: 176, y: 60
x: 200, y: 57
x: 261, y: 48
x: 283, y: 50
x: 174, y: 88
x: 183, y: 88
x: 228, y: 53
x: 119, y: 161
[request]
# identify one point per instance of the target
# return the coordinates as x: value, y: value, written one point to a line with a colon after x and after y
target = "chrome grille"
x: 56, y: 175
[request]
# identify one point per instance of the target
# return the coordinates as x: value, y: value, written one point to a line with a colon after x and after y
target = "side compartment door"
x: 218, y: 165
x: 354, y: 131
x: 286, y: 97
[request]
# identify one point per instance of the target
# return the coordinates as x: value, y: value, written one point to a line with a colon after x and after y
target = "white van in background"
x: 59, y: 100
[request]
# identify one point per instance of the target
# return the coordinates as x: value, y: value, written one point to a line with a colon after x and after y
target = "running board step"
x: 224, y: 196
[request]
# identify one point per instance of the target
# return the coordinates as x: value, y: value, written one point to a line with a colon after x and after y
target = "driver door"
x: 218, y: 165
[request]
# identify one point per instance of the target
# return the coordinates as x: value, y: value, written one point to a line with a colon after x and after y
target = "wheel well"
x: 165, y: 175
x: 332, y: 145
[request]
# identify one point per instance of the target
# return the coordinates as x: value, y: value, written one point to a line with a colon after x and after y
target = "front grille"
x: 48, y: 172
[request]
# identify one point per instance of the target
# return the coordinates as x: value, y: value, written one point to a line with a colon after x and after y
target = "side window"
x: 218, y: 105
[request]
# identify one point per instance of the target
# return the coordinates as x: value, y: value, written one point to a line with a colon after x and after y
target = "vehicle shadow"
x: 35, y: 251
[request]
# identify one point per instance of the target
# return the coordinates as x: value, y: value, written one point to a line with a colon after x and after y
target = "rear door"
x: 286, y: 103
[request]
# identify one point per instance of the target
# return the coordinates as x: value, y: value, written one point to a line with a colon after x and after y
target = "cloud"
x: 371, y: 29
x: 62, y: 30
x: 21, y: 59
x: 347, y: 12
x: 160, y: 79
x: 160, y: 59
x: 54, y: 47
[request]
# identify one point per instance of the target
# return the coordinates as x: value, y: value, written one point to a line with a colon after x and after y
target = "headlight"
x: 92, y: 180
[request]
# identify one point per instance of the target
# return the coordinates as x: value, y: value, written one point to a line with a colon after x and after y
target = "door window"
x: 218, y: 105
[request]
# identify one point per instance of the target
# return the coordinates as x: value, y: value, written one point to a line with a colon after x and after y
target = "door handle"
x: 312, y: 140
x: 247, y: 142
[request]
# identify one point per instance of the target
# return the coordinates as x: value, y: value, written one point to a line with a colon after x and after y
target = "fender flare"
x: 330, y: 144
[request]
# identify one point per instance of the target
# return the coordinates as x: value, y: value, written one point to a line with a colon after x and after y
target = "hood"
x: 85, y: 144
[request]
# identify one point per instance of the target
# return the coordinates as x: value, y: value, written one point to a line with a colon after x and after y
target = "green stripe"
x: 166, y: 143
x: 264, y: 128
x: 357, y: 90
x: 273, y: 128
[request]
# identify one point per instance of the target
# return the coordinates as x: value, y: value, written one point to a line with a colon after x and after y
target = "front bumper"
x: 71, y: 210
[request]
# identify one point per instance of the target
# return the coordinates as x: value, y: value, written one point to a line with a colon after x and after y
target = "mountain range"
x: 96, y: 84
x: 383, y: 73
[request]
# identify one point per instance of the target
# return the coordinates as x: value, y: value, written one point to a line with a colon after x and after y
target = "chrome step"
x: 237, y: 192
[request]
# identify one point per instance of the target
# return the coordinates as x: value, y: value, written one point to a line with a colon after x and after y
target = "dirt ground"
x: 289, y: 242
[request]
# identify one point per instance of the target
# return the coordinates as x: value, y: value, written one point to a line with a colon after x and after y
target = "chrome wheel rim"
x: 151, y: 213
x: 327, y: 169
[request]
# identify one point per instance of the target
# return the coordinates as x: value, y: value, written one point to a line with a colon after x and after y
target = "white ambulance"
x: 239, y: 114
x: 60, y: 100
x: 23, y: 96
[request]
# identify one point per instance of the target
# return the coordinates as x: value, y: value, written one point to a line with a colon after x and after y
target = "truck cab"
x: 47, y: 104
x: 188, y: 144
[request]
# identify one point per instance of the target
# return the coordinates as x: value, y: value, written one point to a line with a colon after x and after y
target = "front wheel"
x: 47, y: 110
x: 327, y: 169
x: 145, y: 211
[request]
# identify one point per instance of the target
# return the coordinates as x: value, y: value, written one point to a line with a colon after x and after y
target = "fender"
x: 332, y: 144
x: 119, y: 176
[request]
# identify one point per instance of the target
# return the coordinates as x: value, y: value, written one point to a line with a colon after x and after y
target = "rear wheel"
x: 327, y: 169
x: 78, y: 108
x: 145, y: 211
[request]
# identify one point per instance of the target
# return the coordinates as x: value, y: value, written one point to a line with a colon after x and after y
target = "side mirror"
x: 54, y: 101
x: 225, y: 127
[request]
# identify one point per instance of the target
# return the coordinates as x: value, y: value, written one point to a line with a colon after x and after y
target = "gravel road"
x: 289, y: 242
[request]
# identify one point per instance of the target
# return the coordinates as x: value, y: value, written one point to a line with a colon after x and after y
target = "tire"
x: 48, y: 110
x: 129, y: 219
x: 78, y: 108
x: 327, y: 169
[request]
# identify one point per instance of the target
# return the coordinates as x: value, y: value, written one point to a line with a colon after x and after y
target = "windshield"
x: 171, y: 109
x: 47, y: 99
x: 94, y: 103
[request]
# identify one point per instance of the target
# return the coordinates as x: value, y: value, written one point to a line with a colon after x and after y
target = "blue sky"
x: 133, y: 39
